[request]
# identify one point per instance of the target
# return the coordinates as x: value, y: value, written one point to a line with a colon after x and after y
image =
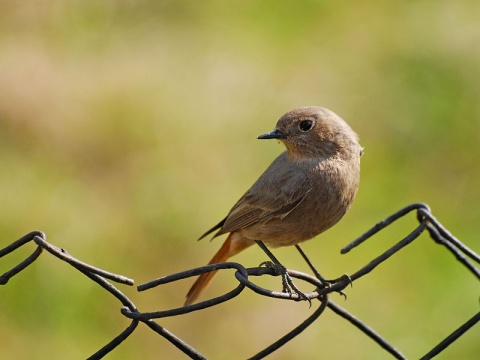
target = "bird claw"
x: 268, y: 264
x: 288, y: 285
x: 344, y: 277
x: 340, y: 279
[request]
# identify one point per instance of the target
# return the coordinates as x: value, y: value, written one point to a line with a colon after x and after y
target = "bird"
x: 306, y: 190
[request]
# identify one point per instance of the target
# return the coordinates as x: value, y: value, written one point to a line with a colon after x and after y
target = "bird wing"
x: 218, y: 226
x: 279, y: 190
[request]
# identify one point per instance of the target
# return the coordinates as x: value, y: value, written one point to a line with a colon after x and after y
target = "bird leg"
x: 287, y: 282
x: 326, y: 283
x: 310, y: 265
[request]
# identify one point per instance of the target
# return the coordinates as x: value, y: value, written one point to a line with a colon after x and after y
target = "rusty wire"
x: 468, y: 258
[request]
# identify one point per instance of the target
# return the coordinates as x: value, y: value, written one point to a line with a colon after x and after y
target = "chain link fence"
x: 319, y: 297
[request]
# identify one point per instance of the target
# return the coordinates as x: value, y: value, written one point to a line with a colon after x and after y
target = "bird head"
x: 313, y: 131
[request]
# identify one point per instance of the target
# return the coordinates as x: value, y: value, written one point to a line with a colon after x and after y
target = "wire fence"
x: 465, y: 256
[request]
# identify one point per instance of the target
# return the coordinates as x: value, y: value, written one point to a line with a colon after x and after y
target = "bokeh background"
x: 128, y: 128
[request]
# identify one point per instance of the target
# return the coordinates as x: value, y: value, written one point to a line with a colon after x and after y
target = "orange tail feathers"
x: 232, y: 246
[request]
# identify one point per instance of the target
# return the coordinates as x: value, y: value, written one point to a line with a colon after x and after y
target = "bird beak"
x: 275, y: 134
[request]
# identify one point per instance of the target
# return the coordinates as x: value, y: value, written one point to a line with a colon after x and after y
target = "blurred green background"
x: 128, y: 128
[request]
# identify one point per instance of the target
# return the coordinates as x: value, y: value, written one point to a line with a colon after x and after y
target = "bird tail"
x: 232, y: 246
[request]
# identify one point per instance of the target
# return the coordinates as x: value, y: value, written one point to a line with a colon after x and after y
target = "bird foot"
x: 342, y: 278
x: 288, y: 285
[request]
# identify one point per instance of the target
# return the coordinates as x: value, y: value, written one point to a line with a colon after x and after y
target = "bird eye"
x: 306, y: 125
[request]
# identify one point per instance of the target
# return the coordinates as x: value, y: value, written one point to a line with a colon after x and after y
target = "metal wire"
x: 465, y: 256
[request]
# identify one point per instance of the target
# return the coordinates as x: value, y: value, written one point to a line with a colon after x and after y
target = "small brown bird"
x: 306, y: 190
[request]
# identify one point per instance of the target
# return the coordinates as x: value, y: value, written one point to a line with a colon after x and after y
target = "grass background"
x: 128, y: 128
